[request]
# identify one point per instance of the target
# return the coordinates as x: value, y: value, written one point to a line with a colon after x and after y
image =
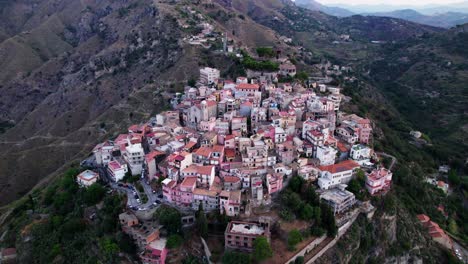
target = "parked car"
x: 158, y: 201
x: 136, y: 196
x: 138, y: 201
x: 160, y: 196
x: 154, y: 191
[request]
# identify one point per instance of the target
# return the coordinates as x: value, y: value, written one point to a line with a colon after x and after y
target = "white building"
x: 103, y: 152
x: 87, y: 178
x: 209, y: 75
x: 117, y: 170
x: 135, y: 157
x: 326, y: 155
x: 334, y: 175
x: 360, y: 152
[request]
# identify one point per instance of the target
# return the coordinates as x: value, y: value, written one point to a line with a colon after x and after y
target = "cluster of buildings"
x: 151, y: 246
x: 437, y: 234
x: 240, y: 235
x: 230, y: 143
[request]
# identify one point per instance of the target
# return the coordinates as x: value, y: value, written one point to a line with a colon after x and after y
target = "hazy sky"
x: 389, y: 2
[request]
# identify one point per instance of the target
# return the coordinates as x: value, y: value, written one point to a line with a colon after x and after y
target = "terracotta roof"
x: 204, y: 170
x: 153, y: 154
x: 230, y: 153
x: 218, y: 148
x: 342, y: 146
x: 114, y: 165
x: 231, y: 179
x: 190, y: 145
x: 248, y: 86
x: 204, y: 151
x: 340, y: 167
x: 204, y: 192
x: 189, y: 182
x: 8, y: 252
x: 423, y: 218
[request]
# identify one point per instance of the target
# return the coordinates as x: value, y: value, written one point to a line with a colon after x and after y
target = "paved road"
x: 463, y: 257
x: 127, y: 189
x: 394, y: 160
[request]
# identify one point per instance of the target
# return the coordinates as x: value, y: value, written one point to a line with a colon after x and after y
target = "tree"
x: 311, y: 196
x: 303, y: 76
x: 299, y: 260
x: 453, y: 178
x: 109, y: 248
x: 191, y: 82
x: 202, y: 222
x: 170, y: 218
x: 318, y: 215
x: 452, y: 226
x: 294, y: 238
x: 174, y: 241
x: 94, y: 194
x: 328, y: 220
x: 262, y: 249
x: 232, y: 257
x: 295, y: 184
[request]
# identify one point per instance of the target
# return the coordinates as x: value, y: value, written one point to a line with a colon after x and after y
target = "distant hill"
x: 446, y: 20
x: 330, y: 10
x: 431, y: 9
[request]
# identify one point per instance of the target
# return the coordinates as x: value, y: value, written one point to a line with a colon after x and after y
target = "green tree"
x: 109, y: 248
x: 295, y: 184
x: 299, y: 260
x: 202, y: 222
x: 94, y: 194
x: 328, y: 220
x: 307, y: 212
x: 262, y: 249
x: 294, y: 238
x: 453, y: 178
x: 265, y: 52
x: 318, y: 215
x: 174, y: 241
x: 170, y: 218
x: 452, y: 226
x: 303, y: 76
x: 191, y: 82
x: 232, y: 257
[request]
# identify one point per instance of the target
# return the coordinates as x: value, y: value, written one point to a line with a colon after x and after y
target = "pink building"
x: 169, y: 190
x: 274, y: 182
x: 117, y: 170
x: 185, y: 194
x: 362, y: 126
x: 154, y: 255
x: 378, y: 180
x: 151, y: 160
x: 204, y: 174
x: 230, y: 202
x: 436, y: 233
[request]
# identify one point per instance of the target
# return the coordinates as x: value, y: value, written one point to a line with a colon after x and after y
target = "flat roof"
x: 336, y: 195
x: 247, y: 228
x: 88, y: 175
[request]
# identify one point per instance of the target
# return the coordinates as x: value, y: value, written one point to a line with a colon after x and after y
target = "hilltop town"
x: 232, y: 146
x: 264, y: 152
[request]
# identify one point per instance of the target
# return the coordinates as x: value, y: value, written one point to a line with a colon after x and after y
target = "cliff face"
x: 384, y: 239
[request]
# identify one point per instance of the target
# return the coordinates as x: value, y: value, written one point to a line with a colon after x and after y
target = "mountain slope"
x: 75, y: 72
x: 330, y: 10
x: 445, y: 20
